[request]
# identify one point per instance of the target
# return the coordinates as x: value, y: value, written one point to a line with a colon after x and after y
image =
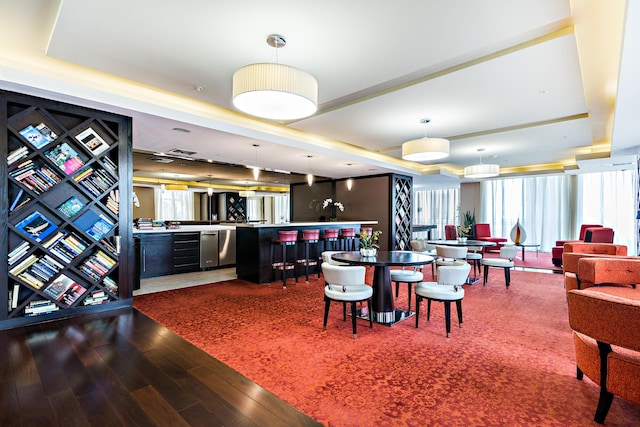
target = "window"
x: 439, y: 207
x: 174, y: 205
x: 552, y: 208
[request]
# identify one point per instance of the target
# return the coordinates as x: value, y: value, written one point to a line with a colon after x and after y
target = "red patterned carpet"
x: 511, y: 364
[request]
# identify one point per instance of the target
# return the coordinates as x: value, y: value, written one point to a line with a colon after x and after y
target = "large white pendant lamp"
x: 275, y: 91
x: 481, y: 170
x: 425, y: 149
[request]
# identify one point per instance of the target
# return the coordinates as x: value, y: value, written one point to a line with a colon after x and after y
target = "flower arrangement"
x: 333, y: 205
x: 369, y: 241
x: 464, y: 230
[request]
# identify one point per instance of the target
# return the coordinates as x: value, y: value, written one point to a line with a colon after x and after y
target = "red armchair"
x: 556, y: 252
x: 483, y: 232
x: 450, y: 232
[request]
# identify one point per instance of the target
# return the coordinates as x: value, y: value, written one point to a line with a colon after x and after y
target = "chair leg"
x: 428, y: 309
x: 606, y: 397
x: 447, y: 316
x: 370, y: 314
x: 579, y: 373
x: 433, y: 270
x: 344, y: 311
x: 485, y: 275
x: 507, y: 276
x: 459, y: 309
x: 604, y: 403
x: 353, y: 318
x: 418, y: 301
x: 397, y: 288
x: 410, y: 285
x: 327, y: 302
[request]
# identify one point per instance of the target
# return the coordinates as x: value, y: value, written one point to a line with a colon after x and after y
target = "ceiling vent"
x: 161, y: 159
x: 179, y: 152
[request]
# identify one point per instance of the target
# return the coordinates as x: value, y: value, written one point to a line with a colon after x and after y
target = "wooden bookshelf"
x: 66, y: 210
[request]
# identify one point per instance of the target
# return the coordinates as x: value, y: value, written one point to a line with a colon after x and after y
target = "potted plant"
x: 333, y: 206
x: 463, y: 232
x: 369, y: 242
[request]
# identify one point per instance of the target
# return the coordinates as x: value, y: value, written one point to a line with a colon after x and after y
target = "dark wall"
x: 368, y: 200
x: 306, y: 201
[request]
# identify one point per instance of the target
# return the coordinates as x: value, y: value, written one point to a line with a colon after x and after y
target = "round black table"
x: 383, y: 308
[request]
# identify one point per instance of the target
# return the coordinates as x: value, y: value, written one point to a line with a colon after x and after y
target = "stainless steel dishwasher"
x: 209, y: 257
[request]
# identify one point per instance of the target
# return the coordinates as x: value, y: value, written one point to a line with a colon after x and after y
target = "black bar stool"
x: 348, y: 239
x: 310, y: 239
x: 288, y: 238
x: 330, y: 239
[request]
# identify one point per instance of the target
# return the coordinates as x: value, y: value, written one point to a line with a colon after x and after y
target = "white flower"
x: 339, y: 206
x: 326, y: 203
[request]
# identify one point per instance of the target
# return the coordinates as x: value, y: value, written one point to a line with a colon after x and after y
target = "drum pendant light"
x: 275, y: 91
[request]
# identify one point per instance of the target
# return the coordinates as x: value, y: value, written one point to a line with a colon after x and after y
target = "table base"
x: 388, y: 318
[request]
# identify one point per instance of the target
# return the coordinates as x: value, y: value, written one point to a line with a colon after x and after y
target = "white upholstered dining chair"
x: 346, y: 284
x: 447, y: 289
x: 505, y: 261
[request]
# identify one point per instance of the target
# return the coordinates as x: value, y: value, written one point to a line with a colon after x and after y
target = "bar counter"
x: 253, y: 260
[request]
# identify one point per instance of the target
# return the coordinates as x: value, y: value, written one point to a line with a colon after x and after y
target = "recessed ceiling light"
x: 183, y: 130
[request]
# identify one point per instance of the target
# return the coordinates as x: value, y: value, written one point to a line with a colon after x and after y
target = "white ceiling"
x: 544, y: 86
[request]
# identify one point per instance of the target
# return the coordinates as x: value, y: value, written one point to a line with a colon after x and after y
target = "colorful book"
x: 34, y: 137
x: 66, y: 158
x: 36, y: 226
x: 71, y: 207
x: 95, y: 225
x: 92, y: 141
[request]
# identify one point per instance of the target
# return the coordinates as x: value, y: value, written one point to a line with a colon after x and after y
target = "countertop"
x: 305, y: 224
x: 185, y: 229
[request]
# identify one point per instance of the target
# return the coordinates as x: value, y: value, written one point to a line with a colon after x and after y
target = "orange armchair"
x: 613, y: 271
x: 605, y: 322
x: 483, y: 232
x: 577, y: 250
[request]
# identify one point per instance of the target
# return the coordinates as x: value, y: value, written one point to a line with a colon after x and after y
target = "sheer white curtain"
x: 439, y: 207
x: 542, y: 204
x: 254, y: 208
x: 608, y: 198
x: 552, y: 208
x: 281, y: 209
x: 173, y: 205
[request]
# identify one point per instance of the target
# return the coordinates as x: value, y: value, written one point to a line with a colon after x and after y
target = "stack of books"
x: 143, y: 223
x: 97, y: 181
x: 97, y: 265
x: 36, y: 271
x: 36, y: 308
x: 36, y: 179
x: 17, y: 154
x: 96, y: 297
x: 18, y: 252
x: 66, y: 245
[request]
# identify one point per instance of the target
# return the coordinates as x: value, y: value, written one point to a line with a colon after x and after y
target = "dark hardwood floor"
x: 125, y: 369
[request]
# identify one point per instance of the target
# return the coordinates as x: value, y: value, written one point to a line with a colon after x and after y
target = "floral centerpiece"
x: 334, y: 206
x: 463, y: 232
x: 369, y: 242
